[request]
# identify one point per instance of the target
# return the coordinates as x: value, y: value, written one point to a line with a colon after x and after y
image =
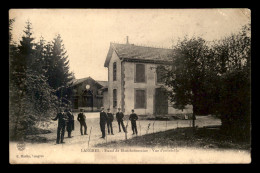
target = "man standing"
x: 103, y: 121
x: 133, y: 117
x: 82, y: 120
x: 70, y: 123
x: 119, y: 117
x: 62, y: 119
x: 109, y: 121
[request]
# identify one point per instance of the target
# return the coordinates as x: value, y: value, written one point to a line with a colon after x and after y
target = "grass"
x: 183, y: 137
x: 165, y: 117
x: 37, y: 131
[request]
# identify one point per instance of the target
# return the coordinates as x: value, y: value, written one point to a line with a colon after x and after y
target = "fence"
x: 154, y: 126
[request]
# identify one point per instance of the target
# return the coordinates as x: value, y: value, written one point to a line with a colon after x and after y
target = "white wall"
x: 130, y: 86
x: 150, y: 85
x: 114, y: 84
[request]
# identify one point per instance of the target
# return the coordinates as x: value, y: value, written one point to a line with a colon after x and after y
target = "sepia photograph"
x: 130, y: 86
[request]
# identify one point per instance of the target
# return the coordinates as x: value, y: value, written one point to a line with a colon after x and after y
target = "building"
x: 133, y: 81
x: 89, y: 95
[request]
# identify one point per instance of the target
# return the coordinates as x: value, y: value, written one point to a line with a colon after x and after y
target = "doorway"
x: 160, y: 102
x: 88, y: 100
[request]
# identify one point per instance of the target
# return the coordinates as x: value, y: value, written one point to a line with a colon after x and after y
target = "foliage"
x: 58, y: 64
x: 186, y: 77
x: 31, y: 97
x: 214, y: 77
x: 234, y: 55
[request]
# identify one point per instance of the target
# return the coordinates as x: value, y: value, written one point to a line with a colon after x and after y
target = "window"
x: 140, y: 73
x: 114, y: 71
x: 140, y: 98
x: 114, y: 98
x: 159, y: 73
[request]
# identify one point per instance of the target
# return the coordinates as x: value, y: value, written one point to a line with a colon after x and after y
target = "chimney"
x: 127, y: 40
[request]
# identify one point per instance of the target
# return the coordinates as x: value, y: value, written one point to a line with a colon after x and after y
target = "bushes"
x: 32, y: 98
x: 214, y: 77
x: 235, y: 105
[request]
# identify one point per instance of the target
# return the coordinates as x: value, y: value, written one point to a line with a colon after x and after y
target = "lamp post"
x: 88, y: 89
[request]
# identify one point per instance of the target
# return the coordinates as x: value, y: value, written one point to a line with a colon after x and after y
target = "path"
x: 76, y: 149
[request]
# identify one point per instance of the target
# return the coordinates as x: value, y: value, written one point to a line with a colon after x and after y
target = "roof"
x: 104, y: 84
x: 78, y: 81
x: 131, y: 52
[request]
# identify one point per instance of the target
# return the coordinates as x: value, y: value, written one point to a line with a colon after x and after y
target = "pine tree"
x: 59, y: 77
x: 39, y: 61
x: 31, y: 98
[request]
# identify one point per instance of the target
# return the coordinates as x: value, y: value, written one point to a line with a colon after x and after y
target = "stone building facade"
x: 133, y: 81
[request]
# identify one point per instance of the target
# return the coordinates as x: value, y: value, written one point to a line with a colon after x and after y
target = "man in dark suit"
x: 82, y: 120
x: 119, y: 117
x: 70, y: 123
x: 103, y: 121
x: 62, y: 120
x: 109, y: 121
x: 133, y: 117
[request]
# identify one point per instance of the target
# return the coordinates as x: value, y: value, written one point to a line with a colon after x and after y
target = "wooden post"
x: 193, y: 118
x: 148, y: 128
x: 89, y: 135
x: 106, y: 134
x: 140, y: 128
x: 153, y: 126
x: 126, y: 130
x: 177, y: 123
x: 166, y: 124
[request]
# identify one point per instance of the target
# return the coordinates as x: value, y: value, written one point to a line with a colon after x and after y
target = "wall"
x: 126, y: 86
x: 149, y: 86
x: 130, y: 87
x: 114, y: 84
x: 80, y: 88
x: 105, y: 100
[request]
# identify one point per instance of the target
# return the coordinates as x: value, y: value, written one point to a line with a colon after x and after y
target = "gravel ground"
x: 143, y: 127
x: 80, y: 149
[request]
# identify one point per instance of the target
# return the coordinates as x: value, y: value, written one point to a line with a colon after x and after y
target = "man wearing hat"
x: 103, y: 121
x: 109, y: 121
x: 119, y: 117
x: 62, y: 120
x: 82, y: 120
x: 133, y: 117
x: 70, y: 123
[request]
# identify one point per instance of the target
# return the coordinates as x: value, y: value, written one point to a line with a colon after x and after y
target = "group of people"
x: 107, y: 118
x: 66, y: 121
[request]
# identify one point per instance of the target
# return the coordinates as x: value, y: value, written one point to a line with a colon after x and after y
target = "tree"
x: 11, y: 21
x: 31, y: 98
x: 186, y: 76
x: 214, y: 78
x: 58, y: 75
x: 233, y: 54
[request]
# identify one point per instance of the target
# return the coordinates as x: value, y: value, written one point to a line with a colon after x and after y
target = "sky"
x: 87, y: 33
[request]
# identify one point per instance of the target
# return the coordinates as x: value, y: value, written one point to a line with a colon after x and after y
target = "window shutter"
x: 114, y: 98
x: 140, y: 73
x: 140, y: 99
x: 114, y: 71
